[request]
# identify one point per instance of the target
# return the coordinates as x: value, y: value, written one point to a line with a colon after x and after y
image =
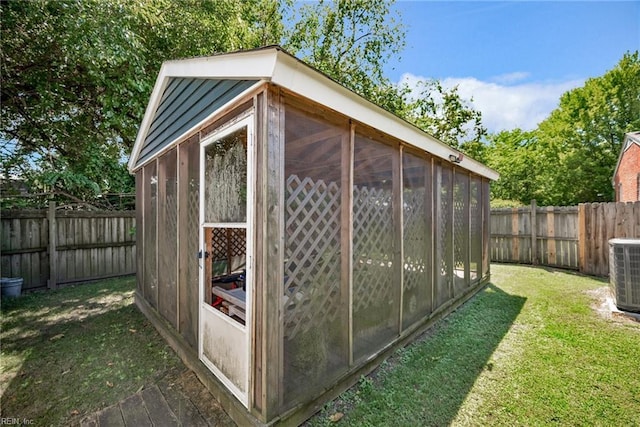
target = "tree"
x: 350, y: 41
x: 580, y: 141
x: 570, y: 158
x: 444, y: 114
x: 77, y: 76
x: 513, y: 155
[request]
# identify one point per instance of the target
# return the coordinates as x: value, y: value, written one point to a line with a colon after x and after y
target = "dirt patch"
x: 604, y: 305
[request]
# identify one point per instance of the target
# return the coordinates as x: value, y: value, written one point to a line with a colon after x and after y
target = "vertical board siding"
x: 150, y: 288
x: 139, y: 256
x: 88, y: 245
x: 188, y: 224
x: 602, y: 222
x: 24, y: 247
x: 187, y: 102
x: 567, y: 237
x: 555, y: 233
x: 168, y: 236
x: 511, y: 235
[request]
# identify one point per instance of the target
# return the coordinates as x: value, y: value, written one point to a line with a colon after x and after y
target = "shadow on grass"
x: 74, y: 351
x: 427, y: 382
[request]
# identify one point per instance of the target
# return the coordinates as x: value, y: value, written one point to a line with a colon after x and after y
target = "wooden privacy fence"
x: 575, y: 237
x: 50, y: 247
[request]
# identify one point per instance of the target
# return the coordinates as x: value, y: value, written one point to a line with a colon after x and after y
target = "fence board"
x: 504, y: 235
x: 602, y: 222
x: 568, y: 237
x: 88, y: 245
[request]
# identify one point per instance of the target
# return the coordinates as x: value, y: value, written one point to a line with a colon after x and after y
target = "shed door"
x: 226, y: 258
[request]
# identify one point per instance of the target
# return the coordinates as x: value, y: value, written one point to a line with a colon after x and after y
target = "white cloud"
x: 510, y: 78
x: 506, y: 106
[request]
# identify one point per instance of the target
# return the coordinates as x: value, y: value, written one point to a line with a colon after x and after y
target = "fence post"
x: 582, y: 235
x: 534, y: 233
x: 53, y: 256
x: 515, y: 235
x: 551, y: 234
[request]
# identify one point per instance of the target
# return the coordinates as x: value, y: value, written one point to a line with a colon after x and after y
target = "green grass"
x: 530, y: 349
x: 73, y: 351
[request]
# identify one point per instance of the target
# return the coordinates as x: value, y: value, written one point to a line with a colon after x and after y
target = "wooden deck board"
x: 180, y: 400
x: 111, y: 416
x: 158, y: 408
x: 182, y: 407
x: 134, y: 412
x: 204, y: 402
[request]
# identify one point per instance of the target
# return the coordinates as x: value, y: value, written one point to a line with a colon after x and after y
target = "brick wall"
x: 628, y: 176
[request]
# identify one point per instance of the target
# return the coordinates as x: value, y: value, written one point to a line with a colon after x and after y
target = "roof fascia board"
x: 285, y: 70
x: 152, y: 106
x: 297, y: 77
x: 252, y: 65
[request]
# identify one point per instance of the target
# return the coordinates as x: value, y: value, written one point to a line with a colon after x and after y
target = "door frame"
x: 247, y: 120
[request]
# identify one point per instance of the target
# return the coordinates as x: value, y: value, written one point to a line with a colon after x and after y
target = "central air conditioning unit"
x: 624, y: 273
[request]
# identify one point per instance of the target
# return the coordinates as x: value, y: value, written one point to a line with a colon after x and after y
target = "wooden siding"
x: 188, y: 245
x: 272, y: 254
x: 184, y: 104
x: 168, y: 236
x: 568, y: 237
x: 52, y: 247
x: 446, y: 214
x: 600, y: 222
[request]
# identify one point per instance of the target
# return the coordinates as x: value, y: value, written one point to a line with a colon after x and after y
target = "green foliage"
x: 350, y: 41
x: 570, y: 158
x: 444, y: 114
x: 77, y: 77
x: 513, y: 155
x: 501, y: 203
x: 582, y: 138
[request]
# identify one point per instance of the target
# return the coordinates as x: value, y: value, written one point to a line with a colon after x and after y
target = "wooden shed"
x: 291, y: 234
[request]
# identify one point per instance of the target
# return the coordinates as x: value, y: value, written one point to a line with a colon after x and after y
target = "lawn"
x: 530, y: 349
x: 67, y: 353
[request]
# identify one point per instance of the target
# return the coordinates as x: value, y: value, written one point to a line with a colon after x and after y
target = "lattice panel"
x: 444, y: 226
x: 171, y: 210
x: 476, y: 214
x: 459, y: 237
x: 228, y: 243
x: 312, y: 266
x: 415, y: 235
x: 475, y: 230
x: 372, y: 247
x: 193, y: 208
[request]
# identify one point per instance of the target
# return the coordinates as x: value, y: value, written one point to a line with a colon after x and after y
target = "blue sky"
x: 515, y: 58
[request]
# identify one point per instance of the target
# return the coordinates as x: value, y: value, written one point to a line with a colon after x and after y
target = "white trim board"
x: 275, y: 65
